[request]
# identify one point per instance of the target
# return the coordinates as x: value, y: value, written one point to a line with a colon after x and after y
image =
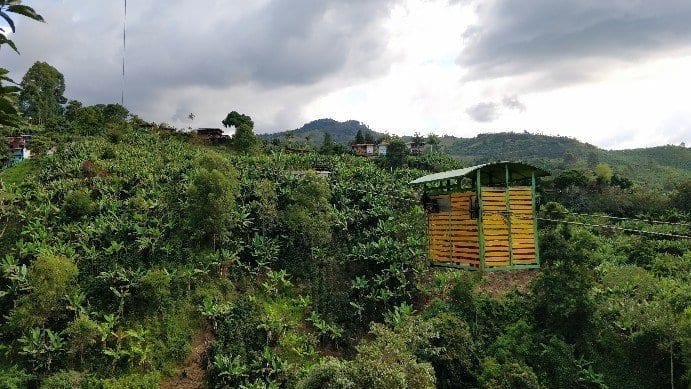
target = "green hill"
x: 313, y: 132
x: 511, y: 146
x: 663, y: 166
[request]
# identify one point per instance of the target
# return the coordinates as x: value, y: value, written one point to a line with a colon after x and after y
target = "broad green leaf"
x: 4, y: 40
x: 8, y: 19
x: 25, y: 10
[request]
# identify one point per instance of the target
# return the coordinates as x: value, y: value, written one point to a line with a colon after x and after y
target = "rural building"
x: 364, y: 149
x: 18, y: 146
x: 372, y: 149
x: 483, y: 217
x: 211, y: 134
x: 415, y: 148
x: 383, y: 147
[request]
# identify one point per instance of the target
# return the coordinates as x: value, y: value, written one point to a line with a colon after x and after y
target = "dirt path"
x: 190, y: 374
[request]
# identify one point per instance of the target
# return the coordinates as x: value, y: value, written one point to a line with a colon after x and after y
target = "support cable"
x: 507, y: 214
x: 633, y: 230
x: 631, y: 219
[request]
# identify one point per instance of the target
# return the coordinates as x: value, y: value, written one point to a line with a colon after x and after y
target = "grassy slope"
x: 16, y: 174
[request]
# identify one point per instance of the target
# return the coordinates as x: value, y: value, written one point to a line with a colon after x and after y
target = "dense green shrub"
x: 78, y: 204
x: 457, y: 364
x: 12, y: 377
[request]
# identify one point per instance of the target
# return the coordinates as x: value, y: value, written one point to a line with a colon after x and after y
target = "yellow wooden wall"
x: 453, y: 237
x: 495, y: 227
x: 508, y: 242
x: 522, y: 227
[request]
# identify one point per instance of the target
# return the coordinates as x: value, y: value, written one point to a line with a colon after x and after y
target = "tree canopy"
x: 9, y: 115
x: 236, y: 119
x: 41, y: 97
x: 244, y: 139
x: 396, y: 153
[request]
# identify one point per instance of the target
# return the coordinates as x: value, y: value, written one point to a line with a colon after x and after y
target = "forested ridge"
x: 139, y: 256
x: 662, y: 166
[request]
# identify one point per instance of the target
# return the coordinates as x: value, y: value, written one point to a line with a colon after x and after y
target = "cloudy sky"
x: 612, y: 73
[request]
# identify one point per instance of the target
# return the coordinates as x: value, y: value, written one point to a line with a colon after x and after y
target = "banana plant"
x: 230, y: 368
x: 41, y: 346
x: 75, y: 303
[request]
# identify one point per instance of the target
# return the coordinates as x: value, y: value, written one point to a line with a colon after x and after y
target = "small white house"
x: 18, y: 146
x: 382, y: 149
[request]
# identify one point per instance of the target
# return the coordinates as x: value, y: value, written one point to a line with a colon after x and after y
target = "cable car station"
x: 483, y: 217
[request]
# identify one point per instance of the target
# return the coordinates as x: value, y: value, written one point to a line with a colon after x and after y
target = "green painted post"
x: 480, y: 232
x: 508, y: 216
x: 450, y: 239
x: 537, y: 242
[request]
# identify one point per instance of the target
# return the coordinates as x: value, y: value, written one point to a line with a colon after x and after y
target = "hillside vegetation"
x: 137, y: 256
x: 127, y: 244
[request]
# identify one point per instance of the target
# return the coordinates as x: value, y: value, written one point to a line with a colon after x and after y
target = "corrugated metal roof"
x: 489, y: 172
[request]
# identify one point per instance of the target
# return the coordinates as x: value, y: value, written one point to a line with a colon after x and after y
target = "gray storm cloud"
x: 484, y: 112
x: 185, y: 47
x: 569, y: 41
x: 489, y: 111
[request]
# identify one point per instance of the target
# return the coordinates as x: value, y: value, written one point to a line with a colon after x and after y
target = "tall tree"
x: 359, y: 138
x: 681, y: 199
x: 235, y: 119
x: 41, y: 97
x: 327, y: 144
x: 72, y: 110
x: 418, y: 139
x: 396, y: 153
x: 114, y: 113
x: 369, y: 137
x: 432, y: 140
x: 9, y: 115
x: 244, y: 139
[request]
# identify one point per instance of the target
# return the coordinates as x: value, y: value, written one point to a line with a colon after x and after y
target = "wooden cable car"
x: 483, y: 217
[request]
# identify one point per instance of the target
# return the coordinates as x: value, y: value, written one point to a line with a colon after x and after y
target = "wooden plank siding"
x: 495, y: 227
x: 484, y: 216
x: 522, y: 225
x: 508, y: 242
x: 453, y: 238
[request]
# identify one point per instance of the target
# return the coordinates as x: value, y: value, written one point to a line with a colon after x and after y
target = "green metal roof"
x: 490, y: 173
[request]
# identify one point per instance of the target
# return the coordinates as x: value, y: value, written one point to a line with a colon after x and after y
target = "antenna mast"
x: 124, y: 51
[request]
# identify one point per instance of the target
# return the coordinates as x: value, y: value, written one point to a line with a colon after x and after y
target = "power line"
x: 508, y: 213
x: 631, y: 219
x: 617, y: 228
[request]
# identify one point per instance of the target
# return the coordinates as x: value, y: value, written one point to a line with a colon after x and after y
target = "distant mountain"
x: 514, y: 146
x: 313, y: 132
x: 662, y: 166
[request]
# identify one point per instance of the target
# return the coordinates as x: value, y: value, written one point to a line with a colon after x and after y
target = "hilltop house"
x: 364, y: 149
x: 18, y: 147
x: 381, y: 149
x: 211, y: 134
x: 415, y: 148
